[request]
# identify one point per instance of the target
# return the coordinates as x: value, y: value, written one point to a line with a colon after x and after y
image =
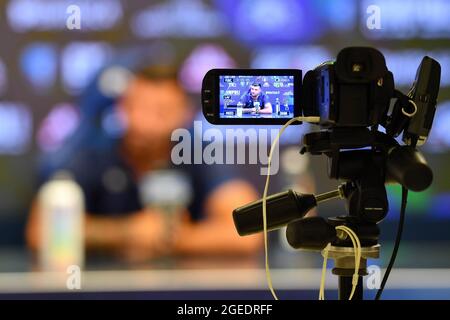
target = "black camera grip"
x: 282, y: 208
x: 407, y: 166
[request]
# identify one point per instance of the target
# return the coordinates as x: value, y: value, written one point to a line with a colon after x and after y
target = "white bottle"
x: 239, y: 109
x: 61, y: 212
x: 277, y: 106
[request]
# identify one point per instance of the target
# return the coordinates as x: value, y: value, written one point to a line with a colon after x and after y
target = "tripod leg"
x: 345, y: 288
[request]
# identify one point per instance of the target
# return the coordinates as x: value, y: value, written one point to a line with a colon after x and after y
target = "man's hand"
x: 267, y: 109
x: 216, y: 234
x: 146, y: 236
x: 249, y: 110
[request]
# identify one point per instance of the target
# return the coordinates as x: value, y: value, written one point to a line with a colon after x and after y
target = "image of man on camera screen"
x: 255, y: 101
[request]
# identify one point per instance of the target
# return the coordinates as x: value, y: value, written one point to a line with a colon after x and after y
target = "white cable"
x: 410, y: 114
x: 357, y: 249
x: 324, y: 270
x: 266, y: 187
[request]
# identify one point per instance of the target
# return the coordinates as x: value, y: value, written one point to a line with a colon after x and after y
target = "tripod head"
x: 365, y: 159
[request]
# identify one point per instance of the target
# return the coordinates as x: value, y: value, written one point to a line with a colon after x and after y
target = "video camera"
x: 353, y: 96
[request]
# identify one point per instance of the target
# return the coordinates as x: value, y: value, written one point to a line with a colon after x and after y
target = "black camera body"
x: 352, y: 91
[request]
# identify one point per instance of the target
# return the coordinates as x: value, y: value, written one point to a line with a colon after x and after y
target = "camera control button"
x: 207, y: 94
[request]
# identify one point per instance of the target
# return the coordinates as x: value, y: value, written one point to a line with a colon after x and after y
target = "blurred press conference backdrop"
x: 45, y: 69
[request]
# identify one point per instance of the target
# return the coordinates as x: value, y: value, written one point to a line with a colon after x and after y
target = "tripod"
x: 366, y: 172
x: 366, y: 160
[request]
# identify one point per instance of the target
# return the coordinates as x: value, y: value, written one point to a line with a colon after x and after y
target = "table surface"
x: 290, y: 271
x: 206, y: 280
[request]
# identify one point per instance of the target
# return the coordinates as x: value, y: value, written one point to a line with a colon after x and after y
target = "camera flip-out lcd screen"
x: 256, y: 96
x: 243, y: 96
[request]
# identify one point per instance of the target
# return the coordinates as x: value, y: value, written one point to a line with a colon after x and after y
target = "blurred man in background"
x: 117, y: 220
